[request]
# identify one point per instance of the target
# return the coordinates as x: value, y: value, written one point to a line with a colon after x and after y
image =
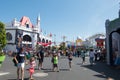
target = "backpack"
x: 14, y: 61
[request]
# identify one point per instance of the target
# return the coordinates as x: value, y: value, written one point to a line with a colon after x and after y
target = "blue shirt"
x: 21, y: 57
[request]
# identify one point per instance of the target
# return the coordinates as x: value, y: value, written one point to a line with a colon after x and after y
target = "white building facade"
x: 24, y: 34
x: 90, y: 41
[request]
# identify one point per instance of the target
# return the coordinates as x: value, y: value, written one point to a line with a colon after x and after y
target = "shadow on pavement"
x: 105, y: 70
x: 50, y: 70
x: 47, y: 70
x: 20, y: 79
x: 64, y: 70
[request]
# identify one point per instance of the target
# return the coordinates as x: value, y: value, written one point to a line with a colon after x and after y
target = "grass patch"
x: 2, y: 58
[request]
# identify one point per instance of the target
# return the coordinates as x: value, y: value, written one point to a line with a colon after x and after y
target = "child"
x: 32, y: 65
x: 70, y: 59
x: 55, y: 62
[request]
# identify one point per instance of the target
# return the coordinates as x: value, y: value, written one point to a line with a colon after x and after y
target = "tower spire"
x: 38, y: 19
x: 38, y: 23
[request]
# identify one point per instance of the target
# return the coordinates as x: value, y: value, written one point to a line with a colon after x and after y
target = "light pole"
x: 54, y: 39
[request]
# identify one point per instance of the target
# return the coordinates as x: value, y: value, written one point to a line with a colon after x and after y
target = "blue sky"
x: 70, y: 18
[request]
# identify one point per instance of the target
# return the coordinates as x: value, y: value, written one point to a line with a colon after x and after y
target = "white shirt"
x: 32, y: 64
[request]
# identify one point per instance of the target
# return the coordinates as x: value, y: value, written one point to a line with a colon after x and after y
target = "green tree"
x: 2, y: 36
x: 62, y: 46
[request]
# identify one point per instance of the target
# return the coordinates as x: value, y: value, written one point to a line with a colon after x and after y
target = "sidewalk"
x: 105, y: 71
x: 8, y: 70
x: 99, y: 71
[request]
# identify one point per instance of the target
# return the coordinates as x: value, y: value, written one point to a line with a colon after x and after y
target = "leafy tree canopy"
x: 2, y: 36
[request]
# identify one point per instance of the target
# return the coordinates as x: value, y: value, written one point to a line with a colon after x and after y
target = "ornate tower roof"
x: 25, y: 20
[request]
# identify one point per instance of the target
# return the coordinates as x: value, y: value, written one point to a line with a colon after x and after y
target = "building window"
x: 27, y: 25
x: 27, y: 38
x: 46, y: 41
x: 9, y: 36
x: 43, y: 40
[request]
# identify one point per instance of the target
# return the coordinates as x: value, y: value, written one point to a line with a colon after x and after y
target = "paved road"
x: 100, y: 71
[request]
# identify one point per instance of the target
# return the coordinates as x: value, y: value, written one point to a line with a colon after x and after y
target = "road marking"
x: 85, y: 69
x: 4, y: 73
x: 40, y: 74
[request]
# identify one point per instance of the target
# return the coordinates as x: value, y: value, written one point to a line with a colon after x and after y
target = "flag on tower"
x: 50, y: 35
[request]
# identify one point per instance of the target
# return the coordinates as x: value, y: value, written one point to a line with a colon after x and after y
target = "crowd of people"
x: 22, y: 58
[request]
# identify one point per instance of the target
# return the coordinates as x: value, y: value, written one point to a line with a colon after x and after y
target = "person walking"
x: 20, y: 60
x: 96, y: 55
x: 83, y: 56
x: 55, y: 62
x: 32, y: 66
x: 91, y: 55
x: 40, y: 58
x: 70, y: 58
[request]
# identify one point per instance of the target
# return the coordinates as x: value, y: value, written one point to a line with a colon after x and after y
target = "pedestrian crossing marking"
x: 40, y: 74
x: 4, y: 73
